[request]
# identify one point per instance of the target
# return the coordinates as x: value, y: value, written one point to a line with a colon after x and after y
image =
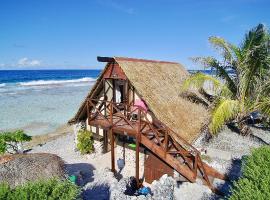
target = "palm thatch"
x: 159, y: 84
x: 19, y: 168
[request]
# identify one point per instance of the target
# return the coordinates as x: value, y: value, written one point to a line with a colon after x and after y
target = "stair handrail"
x: 143, y: 114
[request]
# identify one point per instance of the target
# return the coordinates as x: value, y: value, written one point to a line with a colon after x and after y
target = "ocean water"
x: 39, y: 101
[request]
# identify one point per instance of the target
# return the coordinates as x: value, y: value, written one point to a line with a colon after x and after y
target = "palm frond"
x: 199, y: 80
x: 254, y: 37
x: 255, y: 63
x: 209, y: 83
x: 220, y: 70
x: 206, y: 62
x: 264, y: 106
x: 223, y: 47
x: 225, y: 110
x: 265, y: 88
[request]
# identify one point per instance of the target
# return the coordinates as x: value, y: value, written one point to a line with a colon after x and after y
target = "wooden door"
x: 154, y: 168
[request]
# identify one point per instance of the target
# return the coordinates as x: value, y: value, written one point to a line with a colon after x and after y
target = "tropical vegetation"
x: 255, y: 181
x: 241, y: 85
x: 53, y: 189
x: 11, y: 142
x: 85, y: 141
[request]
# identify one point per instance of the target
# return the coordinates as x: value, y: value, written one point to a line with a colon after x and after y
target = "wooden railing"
x: 168, y: 148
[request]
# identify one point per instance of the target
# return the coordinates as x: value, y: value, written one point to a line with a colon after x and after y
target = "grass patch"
x: 53, y: 189
x: 255, y: 181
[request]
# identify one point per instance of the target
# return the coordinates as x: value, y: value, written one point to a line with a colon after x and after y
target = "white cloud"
x: 26, y: 62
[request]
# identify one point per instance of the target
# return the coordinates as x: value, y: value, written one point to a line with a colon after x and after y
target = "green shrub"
x: 50, y: 189
x: 12, y: 140
x: 4, y: 191
x: 85, y: 141
x: 255, y: 181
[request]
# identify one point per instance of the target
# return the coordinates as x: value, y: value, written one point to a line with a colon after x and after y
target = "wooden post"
x: 138, y: 139
x: 111, y: 114
x: 104, y: 94
x: 112, y: 138
x: 127, y: 95
x: 88, y: 112
x: 133, y: 95
x: 112, y: 151
x: 114, y: 92
x: 105, y: 137
x: 166, y: 142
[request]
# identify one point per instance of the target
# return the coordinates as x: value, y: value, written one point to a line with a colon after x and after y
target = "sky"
x: 70, y: 34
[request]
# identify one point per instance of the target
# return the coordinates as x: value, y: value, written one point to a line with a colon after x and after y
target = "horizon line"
x: 76, y: 69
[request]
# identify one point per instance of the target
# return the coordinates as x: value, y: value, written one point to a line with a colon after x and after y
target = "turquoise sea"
x: 39, y: 101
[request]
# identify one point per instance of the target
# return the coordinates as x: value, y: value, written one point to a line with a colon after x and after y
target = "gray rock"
x: 164, y: 188
x: 19, y: 168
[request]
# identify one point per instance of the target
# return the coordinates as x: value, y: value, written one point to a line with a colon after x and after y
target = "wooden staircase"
x: 158, y: 138
x: 180, y: 155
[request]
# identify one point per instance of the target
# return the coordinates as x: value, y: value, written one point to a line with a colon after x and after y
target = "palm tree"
x: 242, y: 82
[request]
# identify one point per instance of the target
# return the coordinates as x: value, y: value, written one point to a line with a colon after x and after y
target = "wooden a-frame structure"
x: 151, y: 129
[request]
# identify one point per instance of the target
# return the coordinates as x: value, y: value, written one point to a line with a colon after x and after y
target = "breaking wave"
x: 56, y: 82
x: 2, y: 84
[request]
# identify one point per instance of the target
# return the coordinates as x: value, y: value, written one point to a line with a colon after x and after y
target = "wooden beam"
x: 114, y: 92
x: 166, y: 142
x: 88, y: 112
x: 105, y: 137
x: 105, y: 95
x: 137, y: 161
x: 112, y: 151
x: 138, y: 141
x: 212, y: 172
x: 126, y: 97
x: 105, y: 59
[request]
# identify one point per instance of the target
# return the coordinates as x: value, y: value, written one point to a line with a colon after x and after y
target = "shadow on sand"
x: 82, y: 170
x: 252, y: 136
x: 233, y: 174
x: 97, y: 192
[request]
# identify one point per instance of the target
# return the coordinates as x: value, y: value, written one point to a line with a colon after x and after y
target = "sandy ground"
x: 223, y: 152
x: 64, y: 147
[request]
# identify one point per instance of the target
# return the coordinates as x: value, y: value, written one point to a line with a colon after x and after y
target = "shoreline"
x: 62, y: 130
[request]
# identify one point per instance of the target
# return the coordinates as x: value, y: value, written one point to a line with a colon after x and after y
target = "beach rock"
x: 106, y: 186
x: 192, y: 191
x: 123, y: 189
x: 163, y: 189
x: 20, y: 168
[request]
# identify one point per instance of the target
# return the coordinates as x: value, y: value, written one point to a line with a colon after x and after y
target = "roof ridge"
x: 141, y: 60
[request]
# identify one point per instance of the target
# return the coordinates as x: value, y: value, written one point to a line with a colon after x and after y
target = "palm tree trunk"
x: 243, y: 127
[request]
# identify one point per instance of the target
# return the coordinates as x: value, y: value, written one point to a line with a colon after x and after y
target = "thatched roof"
x: 19, y: 168
x: 159, y: 84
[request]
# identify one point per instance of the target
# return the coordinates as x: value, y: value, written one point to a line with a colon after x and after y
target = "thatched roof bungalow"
x: 140, y: 101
